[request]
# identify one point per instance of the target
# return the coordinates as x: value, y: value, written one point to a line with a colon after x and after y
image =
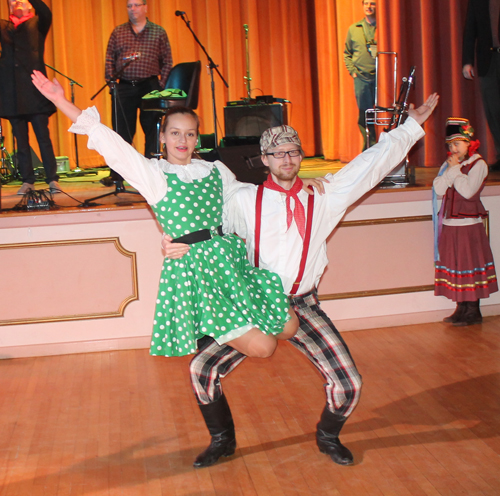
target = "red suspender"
x: 258, y: 222
x: 307, y: 238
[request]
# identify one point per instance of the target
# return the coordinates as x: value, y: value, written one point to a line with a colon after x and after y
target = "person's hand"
x: 173, y: 250
x: 468, y: 71
x: 422, y: 113
x: 452, y: 159
x: 52, y: 90
x: 310, y: 183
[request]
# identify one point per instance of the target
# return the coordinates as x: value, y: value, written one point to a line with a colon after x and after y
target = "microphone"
x: 132, y: 56
x: 179, y: 13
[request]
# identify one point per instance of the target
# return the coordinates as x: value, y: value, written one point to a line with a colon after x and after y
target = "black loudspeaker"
x: 243, y: 160
x: 253, y: 120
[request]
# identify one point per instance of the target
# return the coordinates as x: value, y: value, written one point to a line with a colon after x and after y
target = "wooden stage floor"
x: 78, y: 188
x: 125, y: 423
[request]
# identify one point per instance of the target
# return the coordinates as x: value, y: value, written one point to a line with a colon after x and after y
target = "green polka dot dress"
x: 212, y: 290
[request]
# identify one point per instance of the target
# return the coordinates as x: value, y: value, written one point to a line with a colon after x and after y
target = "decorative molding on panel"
x: 57, y: 281
x: 376, y: 292
x: 388, y: 220
x: 405, y: 288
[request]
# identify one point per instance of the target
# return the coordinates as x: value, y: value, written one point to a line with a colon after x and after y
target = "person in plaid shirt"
x: 139, y: 57
x: 282, y: 238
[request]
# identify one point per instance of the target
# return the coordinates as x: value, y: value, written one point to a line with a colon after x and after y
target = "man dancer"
x: 359, y: 58
x: 144, y: 46
x: 22, y: 40
x: 293, y: 244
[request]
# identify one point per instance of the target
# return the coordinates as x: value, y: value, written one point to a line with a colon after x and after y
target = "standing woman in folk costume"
x: 465, y: 271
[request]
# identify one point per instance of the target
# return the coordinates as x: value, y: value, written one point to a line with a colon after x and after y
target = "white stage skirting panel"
x: 86, y: 281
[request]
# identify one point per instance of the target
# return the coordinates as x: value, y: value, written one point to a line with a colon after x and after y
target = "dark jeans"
x: 129, y: 101
x: 490, y: 91
x: 365, y: 98
x: 40, y: 124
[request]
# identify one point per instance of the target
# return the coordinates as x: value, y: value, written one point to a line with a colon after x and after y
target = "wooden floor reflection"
x: 125, y: 423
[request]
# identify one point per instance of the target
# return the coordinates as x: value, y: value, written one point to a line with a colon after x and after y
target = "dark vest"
x: 458, y: 207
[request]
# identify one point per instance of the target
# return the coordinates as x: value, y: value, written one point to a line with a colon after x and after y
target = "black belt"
x: 135, y: 82
x: 495, y: 49
x: 198, y: 236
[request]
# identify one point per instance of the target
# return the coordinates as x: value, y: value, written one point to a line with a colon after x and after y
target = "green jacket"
x: 356, y: 56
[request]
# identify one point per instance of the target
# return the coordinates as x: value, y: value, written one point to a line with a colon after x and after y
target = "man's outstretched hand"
x: 422, y: 113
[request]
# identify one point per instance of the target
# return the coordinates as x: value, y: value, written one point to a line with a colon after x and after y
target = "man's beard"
x: 287, y: 175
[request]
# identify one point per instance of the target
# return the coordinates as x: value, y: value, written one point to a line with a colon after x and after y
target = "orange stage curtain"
x: 296, y: 52
x: 424, y: 33
x: 279, y: 56
x: 428, y: 34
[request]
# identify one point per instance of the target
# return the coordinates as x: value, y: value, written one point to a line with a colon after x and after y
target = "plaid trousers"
x: 316, y: 337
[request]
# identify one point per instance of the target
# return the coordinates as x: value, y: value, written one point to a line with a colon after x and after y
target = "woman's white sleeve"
x: 143, y: 174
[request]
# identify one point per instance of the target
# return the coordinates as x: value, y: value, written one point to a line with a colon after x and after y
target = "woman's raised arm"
x: 53, y: 91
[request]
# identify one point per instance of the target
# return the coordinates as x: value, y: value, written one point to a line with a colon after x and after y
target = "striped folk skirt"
x: 466, y: 271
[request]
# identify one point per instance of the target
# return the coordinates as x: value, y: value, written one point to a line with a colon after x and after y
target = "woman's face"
x: 180, y: 137
x: 459, y: 148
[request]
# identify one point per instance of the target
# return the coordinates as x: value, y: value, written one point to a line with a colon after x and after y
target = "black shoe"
x: 107, y: 181
x: 327, y: 438
x: 471, y: 316
x: 334, y: 448
x: 221, y: 445
x: 456, y: 316
x: 220, y: 424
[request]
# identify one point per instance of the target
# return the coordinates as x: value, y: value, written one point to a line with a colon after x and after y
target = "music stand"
x: 119, y: 187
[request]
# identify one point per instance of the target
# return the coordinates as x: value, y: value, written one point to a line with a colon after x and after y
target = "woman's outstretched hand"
x: 53, y: 91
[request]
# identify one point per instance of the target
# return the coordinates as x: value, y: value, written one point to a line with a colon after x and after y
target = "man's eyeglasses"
x: 291, y: 153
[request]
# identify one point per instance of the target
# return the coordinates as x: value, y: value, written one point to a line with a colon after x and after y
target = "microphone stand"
x: 77, y: 171
x: 7, y: 171
x: 247, y: 78
x: 119, y: 187
x: 211, y: 65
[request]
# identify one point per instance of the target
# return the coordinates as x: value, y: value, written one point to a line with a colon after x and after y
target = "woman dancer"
x: 214, y: 291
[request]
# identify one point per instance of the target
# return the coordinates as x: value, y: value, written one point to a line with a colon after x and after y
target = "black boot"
x: 471, y: 316
x: 204, y: 342
x: 219, y: 421
x: 327, y: 437
x: 457, y: 314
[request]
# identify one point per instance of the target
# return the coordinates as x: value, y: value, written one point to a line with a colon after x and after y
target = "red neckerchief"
x: 298, y: 212
x: 19, y: 20
x: 307, y: 239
